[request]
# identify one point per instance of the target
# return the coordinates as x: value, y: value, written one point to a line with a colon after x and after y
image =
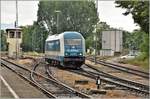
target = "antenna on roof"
x: 16, y: 32
x: 16, y: 22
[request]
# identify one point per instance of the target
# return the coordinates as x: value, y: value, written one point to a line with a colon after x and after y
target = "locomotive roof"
x: 68, y: 34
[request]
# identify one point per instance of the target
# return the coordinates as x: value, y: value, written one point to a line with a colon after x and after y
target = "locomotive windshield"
x: 72, y: 41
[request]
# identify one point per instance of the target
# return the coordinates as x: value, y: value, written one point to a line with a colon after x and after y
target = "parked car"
x: 129, y: 56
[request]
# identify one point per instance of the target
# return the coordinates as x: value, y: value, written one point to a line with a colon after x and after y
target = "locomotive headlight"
x: 80, y: 54
x: 66, y: 54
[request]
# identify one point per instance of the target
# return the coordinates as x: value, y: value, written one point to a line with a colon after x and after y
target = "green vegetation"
x: 139, y: 11
x: 34, y: 38
x: 138, y: 61
x: 3, y: 43
x: 139, y: 39
x: 89, y: 40
x: 80, y: 16
x: 133, y: 40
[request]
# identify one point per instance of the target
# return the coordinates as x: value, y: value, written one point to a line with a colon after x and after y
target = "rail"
x: 94, y: 75
x: 122, y: 68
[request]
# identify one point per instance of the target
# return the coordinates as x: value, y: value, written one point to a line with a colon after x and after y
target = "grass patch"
x: 138, y: 61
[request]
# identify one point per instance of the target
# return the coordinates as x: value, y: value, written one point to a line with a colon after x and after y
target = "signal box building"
x: 111, y: 42
x: 14, y: 40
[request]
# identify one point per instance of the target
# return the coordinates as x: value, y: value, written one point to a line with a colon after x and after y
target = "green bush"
x: 139, y: 61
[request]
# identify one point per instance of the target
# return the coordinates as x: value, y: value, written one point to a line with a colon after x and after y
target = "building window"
x: 11, y: 34
x: 18, y: 34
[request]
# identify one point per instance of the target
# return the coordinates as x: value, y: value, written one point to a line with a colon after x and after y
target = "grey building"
x: 111, y: 42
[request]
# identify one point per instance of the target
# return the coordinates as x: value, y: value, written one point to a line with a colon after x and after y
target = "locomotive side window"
x: 57, y: 45
x: 49, y: 46
x: 53, y: 45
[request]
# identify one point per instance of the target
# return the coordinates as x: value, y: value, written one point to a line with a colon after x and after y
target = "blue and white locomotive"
x: 66, y: 49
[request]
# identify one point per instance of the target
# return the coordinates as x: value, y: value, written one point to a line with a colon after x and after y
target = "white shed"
x: 111, y: 41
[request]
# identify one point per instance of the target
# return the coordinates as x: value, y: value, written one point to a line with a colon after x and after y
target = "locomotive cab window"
x: 72, y: 41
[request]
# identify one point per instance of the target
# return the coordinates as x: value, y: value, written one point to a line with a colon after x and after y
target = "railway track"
x: 51, y: 87
x: 59, y: 89
x: 135, y: 84
x: 122, y: 68
x: 75, y: 91
x: 137, y: 88
x: 25, y: 74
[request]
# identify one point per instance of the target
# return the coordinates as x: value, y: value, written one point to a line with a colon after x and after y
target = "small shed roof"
x: 13, y: 29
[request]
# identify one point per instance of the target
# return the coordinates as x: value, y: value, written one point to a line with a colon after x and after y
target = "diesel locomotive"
x: 66, y: 49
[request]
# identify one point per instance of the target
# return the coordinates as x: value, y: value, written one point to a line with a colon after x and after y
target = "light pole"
x: 95, y: 35
x: 16, y: 25
x: 57, y: 12
x: 95, y: 44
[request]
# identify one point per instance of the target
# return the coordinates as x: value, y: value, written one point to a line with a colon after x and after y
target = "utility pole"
x: 95, y: 35
x: 16, y: 25
x: 57, y: 12
x: 16, y: 13
x: 95, y: 45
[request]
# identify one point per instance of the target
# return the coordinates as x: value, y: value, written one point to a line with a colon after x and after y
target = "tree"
x: 27, y: 38
x: 34, y: 38
x: 139, y: 11
x: 99, y: 28
x: 3, y: 43
x: 135, y: 39
x: 145, y: 46
x: 126, y: 39
x: 77, y: 16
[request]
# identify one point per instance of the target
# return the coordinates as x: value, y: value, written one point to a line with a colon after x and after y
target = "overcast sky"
x: 28, y: 13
